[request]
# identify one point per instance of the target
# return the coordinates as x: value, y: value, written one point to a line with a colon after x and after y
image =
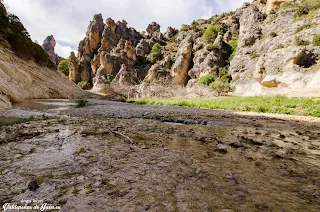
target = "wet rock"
x: 33, y: 185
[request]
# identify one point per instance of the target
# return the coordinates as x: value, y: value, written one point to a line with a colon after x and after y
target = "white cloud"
x: 64, y: 51
x: 67, y: 20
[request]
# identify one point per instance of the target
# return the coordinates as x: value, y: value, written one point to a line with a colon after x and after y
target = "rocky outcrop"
x: 3, y: 8
x: 258, y: 49
x: 276, y: 64
x: 266, y: 6
x: 48, y: 45
x: 182, y: 65
x: 73, y: 68
x: 105, y: 48
x: 94, y: 33
x: 125, y: 77
x: 144, y: 47
x: 250, y: 30
x: 152, y: 28
x: 170, y: 32
x: 206, y: 62
x: 160, y: 72
x: 31, y: 81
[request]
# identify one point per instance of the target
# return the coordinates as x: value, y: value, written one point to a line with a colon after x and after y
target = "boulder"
x: 182, y: 65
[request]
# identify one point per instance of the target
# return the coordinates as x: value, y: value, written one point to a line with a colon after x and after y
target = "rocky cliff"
x: 48, y: 45
x: 25, y: 70
x: 264, y: 47
x: 21, y: 79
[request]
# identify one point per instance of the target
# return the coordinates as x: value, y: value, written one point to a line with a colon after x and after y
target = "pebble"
x: 222, y: 148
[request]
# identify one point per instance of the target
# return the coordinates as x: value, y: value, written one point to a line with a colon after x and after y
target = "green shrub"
x: 280, y: 46
x: 301, y: 28
x: 207, y: 79
x: 273, y: 11
x: 316, y: 40
x: 311, y: 4
x: 262, y: 109
x: 302, y: 10
x: 172, y: 62
x: 221, y: 85
x: 211, y: 33
x: 300, y: 42
x: 143, y: 33
x: 12, y: 30
x: 273, y: 34
x: 109, y: 79
x: 234, y: 45
x: 63, y: 67
x: 156, y: 53
x: 210, y: 47
x: 81, y: 103
x: 185, y: 28
x: 84, y: 85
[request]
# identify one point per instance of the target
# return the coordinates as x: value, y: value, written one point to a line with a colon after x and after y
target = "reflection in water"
x: 43, y: 104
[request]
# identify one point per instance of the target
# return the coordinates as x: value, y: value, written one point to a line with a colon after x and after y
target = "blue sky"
x: 67, y: 20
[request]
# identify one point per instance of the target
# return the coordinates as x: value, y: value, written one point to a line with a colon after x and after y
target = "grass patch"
x: 81, y: 103
x: 84, y: 85
x: 299, y: 42
x: 316, y: 40
x: 280, y: 46
x: 207, y: 79
x: 303, y: 27
x: 277, y: 104
x: 13, y: 121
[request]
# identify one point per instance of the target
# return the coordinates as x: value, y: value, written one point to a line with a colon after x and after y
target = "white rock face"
x: 274, y: 65
x: 21, y: 80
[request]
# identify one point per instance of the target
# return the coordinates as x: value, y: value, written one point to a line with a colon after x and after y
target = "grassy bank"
x: 277, y: 104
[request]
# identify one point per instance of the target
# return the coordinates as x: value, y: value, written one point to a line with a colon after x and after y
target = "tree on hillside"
x: 63, y: 67
x: 156, y: 53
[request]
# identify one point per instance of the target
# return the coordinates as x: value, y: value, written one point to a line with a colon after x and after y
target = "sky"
x: 67, y: 20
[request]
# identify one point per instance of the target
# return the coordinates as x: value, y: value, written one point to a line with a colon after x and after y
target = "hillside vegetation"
x: 13, y: 31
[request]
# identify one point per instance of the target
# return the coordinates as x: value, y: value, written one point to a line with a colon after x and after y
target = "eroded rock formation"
x: 256, y: 47
x: 48, y: 45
